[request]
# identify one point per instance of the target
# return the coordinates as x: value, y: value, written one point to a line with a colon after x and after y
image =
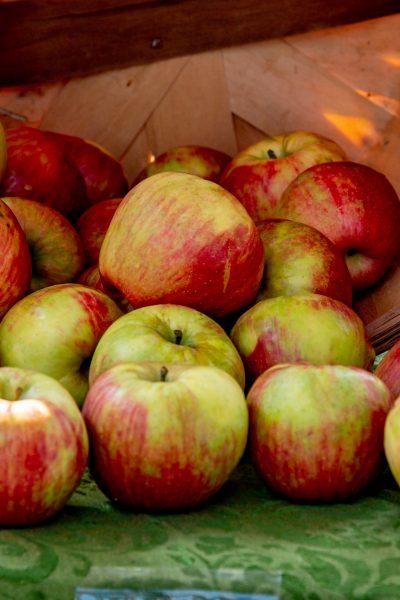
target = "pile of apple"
x: 155, y: 330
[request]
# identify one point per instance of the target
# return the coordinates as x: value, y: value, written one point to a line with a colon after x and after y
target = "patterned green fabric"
x: 340, y: 551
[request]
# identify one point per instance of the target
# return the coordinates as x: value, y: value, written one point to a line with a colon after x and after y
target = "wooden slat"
x: 42, y: 40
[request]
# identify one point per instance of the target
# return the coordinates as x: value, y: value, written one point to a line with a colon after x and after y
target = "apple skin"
x: 93, y: 224
x: 311, y: 327
x: 316, y: 431
x: 166, y: 333
x: 38, y: 169
x: 56, y: 249
x: 177, y: 238
x: 356, y: 207
x: 300, y: 259
x: 164, y: 437
x: 43, y: 444
x: 391, y: 441
x: 55, y: 331
x: 389, y: 370
x: 102, y: 172
x: 259, y: 174
x: 91, y: 277
x: 3, y: 151
x: 15, y: 263
x: 202, y: 161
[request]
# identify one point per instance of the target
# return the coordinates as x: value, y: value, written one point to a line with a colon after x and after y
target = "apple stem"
x: 178, y: 336
x: 271, y: 154
x: 163, y: 373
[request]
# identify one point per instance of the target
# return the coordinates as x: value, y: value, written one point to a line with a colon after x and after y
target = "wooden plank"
x: 42, y: 40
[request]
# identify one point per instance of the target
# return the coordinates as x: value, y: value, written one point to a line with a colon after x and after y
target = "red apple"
x: 102, y: 172
x: 55, y: 246
x: 15, y: 263
x: 43, y: 445
x: 164, y: 437
x: 93, y: 224
x: 356, y: 207
x: 37, y: 168
x: 300, y: 259
x: 3, y: 151
x: 311, y: 327
x: 388, y: 370
x: 259, y: 174
x: 316, y: 432
x: 391, y: 442
x: 177, y: 238
x: 55, y: 331
x: 202, y: 161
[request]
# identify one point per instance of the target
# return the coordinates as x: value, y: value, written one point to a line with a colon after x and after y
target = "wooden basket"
x: 342, y: 81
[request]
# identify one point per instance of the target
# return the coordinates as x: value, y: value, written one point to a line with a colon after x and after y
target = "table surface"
x: 338, y: 551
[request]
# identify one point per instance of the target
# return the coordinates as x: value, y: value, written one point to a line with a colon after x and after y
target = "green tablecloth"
x: 345, y: 551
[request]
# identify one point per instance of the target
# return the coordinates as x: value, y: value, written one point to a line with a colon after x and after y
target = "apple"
x: 164, y: 437
x: 37, y: 168
x: 56, y: 249
x: 259, y: 174
x: 316, y: 431
x: 167, y: 333
x: 43, y: 445
x: 15, y: 263
x: 55, y: 331
x: 102, y: 172
x: 93, y: 224
x: 202, y: 161
x: 300, y: 259
x: 391, y: 440
x: 180, y: 239
x: 3, y: 151
x: 388, y: 370
x: 356, y: 207
x: 310, y: 327
x: 91, y: 277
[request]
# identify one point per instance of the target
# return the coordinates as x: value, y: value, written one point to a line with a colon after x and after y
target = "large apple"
x: 356, y: 207
x: 43, y: 445
x: 55, y: 331
x: 167, y: 333
x: 300, y: 259
x: 259, y: 174
x: 164, y: 437
x: 55, y: 246
x: 177, y: 238
x: 37, y: 168
x: 388, y: 370
x: 15, y: 262
x: 391, y: 441
x: 3, y: 151
x: 309, y: 327
x: 102, y: 172
x: 202, y: 161
x: 93, y: 224
x: 316, y: 432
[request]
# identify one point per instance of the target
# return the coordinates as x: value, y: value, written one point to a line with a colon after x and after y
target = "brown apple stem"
x: 271, y: 154
x: 163, y: 373
x: 178, y: 336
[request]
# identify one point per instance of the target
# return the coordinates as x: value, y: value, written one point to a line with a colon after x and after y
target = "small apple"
x: 55, y: 246
x: 37, y: 168
x: 180, y: 239
x: 167, y: 333
x: 202, y: 161
x: 102, y: 172
x: 93, y: 224
x: 15, y: 263
x: 388, y: 370
x: 356, y: 207
x: 300, y: 259
x: 43, y: 445
x: 259, y: 174
x: 391, y: 442
x: 316, y: 431
x: 311, y: 327
x: 3, y: 151
x: 55, y: 331
x: 164, y: 437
